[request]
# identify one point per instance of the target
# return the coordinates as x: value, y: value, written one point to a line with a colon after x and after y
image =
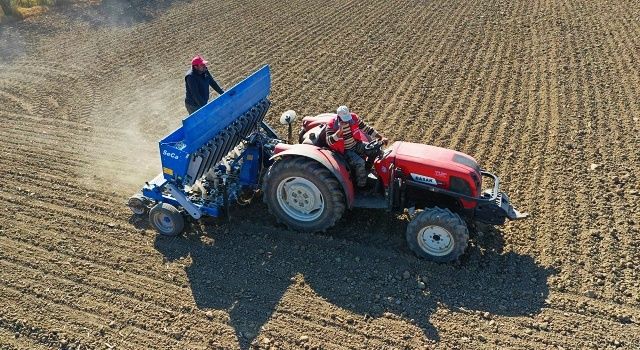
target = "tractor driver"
x: 197, y: 82
x: 346, y: 134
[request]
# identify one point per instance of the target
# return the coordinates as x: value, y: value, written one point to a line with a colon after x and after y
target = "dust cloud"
x: 12, y: 44
x: 124, y: 152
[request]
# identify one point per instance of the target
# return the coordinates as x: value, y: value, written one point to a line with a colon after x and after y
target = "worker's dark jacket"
x: 197, y: 86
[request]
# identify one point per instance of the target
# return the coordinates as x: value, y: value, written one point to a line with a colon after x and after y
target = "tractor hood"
x: 413, y: 155
x: 439, y: 167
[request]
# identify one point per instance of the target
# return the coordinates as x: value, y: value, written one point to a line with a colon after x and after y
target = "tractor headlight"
x: 460, y: 186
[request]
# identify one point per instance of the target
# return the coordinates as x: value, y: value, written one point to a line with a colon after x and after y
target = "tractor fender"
x: 324, y: 157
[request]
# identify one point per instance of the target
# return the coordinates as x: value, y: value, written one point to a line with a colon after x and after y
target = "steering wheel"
x: 373, y: 148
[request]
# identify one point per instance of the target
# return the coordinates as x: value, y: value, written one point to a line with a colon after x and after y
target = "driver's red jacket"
x: 353, y: 132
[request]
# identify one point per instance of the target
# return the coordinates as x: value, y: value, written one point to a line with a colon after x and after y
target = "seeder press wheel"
x: 137, y: 204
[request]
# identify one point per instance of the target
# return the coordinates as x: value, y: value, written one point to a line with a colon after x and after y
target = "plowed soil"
x: 544, y: 93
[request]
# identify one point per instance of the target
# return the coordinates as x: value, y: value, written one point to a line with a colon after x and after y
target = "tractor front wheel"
x: 438, y: 234
x: 166, y: 219
x: 303, y: 194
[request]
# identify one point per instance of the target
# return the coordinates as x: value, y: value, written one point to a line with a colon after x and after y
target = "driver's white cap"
x: 343, y: 113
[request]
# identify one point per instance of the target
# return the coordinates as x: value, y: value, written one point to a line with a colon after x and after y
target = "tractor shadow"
x: 252, y: 263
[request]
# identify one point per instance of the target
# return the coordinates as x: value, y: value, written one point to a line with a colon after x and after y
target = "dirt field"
x: 544, y: 93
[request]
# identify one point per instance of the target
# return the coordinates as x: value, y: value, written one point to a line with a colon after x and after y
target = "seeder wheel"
x: 137, y: 205
x: 166, y: 219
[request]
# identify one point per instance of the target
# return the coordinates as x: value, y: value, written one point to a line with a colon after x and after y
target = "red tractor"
x: 308, y: 187
x: 225, y: 152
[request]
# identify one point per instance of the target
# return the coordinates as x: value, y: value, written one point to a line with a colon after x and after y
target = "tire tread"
x: 445, y: 218
x: 298, y: 166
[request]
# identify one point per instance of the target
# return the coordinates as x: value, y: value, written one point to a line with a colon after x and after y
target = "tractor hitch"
x: 494, y: 207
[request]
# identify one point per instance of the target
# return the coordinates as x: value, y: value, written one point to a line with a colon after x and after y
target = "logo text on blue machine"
x: 172, y: 155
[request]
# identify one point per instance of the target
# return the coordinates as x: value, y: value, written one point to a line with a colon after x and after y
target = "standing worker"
x: 197, y: 82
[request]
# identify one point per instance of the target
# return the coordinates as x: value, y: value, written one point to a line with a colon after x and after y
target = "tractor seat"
x: 316, y: 136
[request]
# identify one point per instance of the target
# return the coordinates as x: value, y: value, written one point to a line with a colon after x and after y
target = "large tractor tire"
x: 438, y: 235
x: 303, y: 194
x: 166, y: 219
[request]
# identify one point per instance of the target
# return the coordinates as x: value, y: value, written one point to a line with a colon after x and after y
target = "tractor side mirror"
x: 287, y: 118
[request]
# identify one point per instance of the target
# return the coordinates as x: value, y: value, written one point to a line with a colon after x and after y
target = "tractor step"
x: 370, y: 201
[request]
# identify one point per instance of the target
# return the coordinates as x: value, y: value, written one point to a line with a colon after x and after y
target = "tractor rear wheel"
x: 303, y: 194
x: 166, y: 219
x: 438, y: 234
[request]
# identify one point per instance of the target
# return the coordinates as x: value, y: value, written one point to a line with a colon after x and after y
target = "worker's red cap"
x: 198, y: 60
